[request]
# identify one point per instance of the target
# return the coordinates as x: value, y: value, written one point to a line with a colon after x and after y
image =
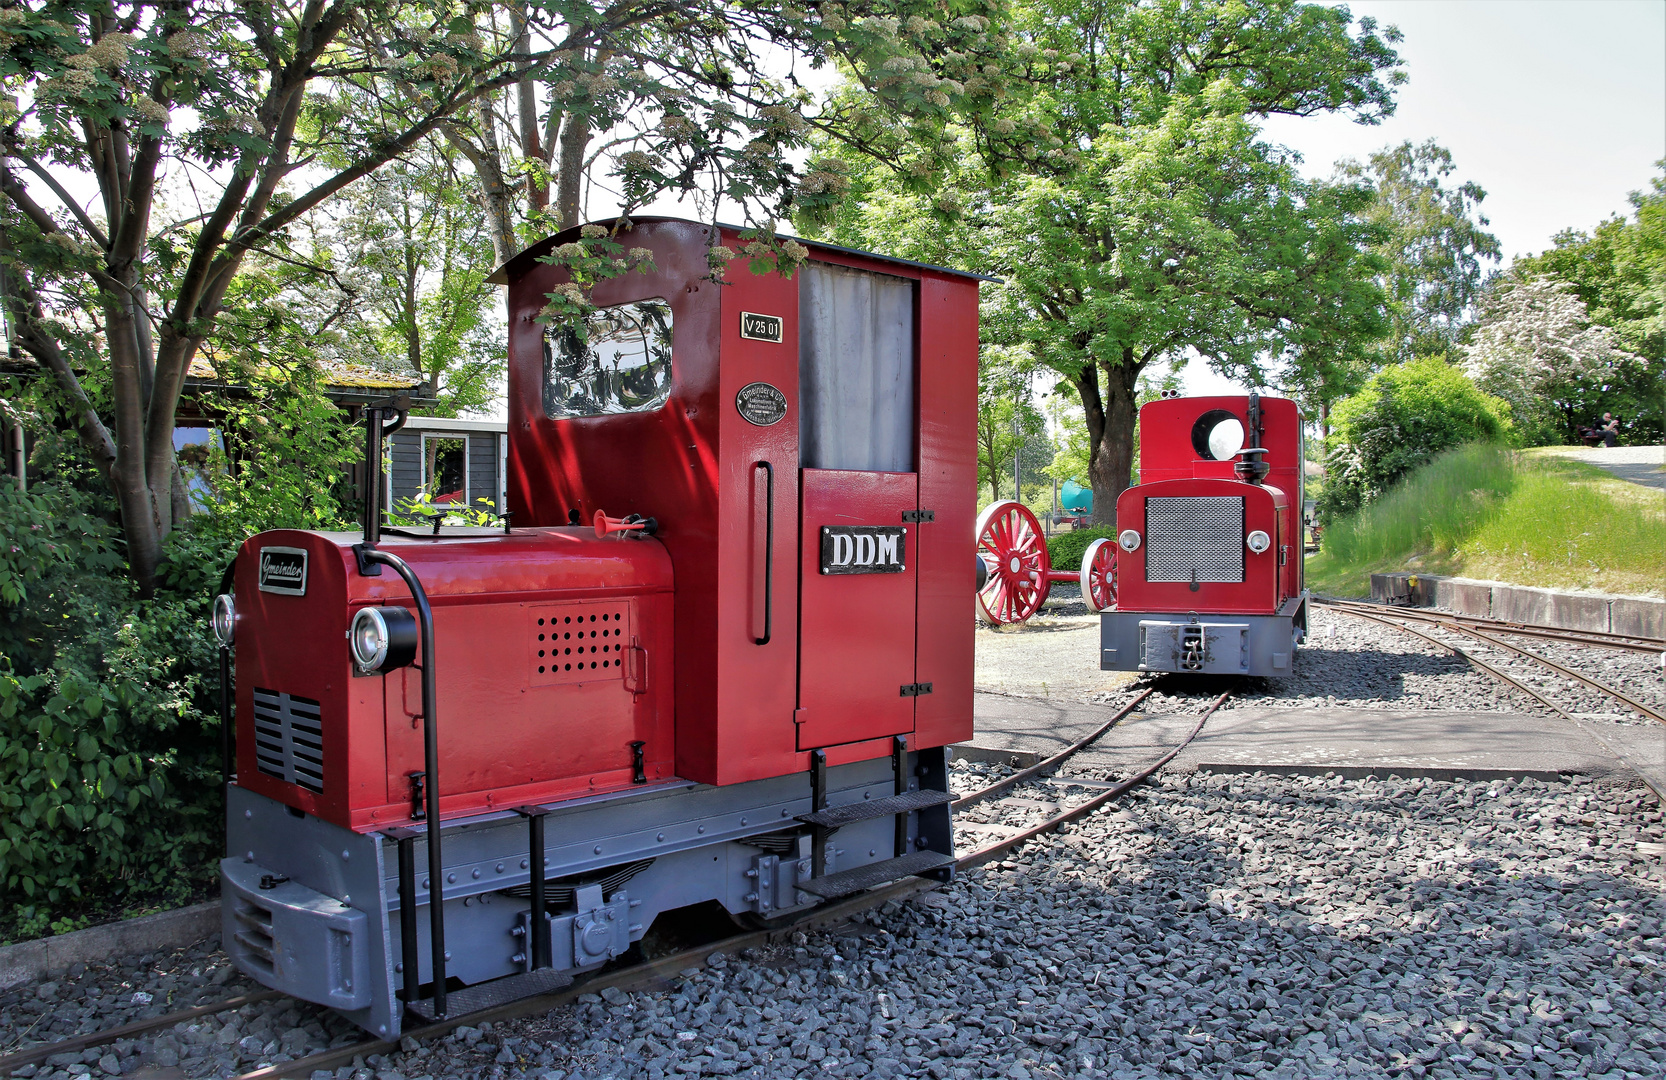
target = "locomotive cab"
x: 715, y: 654
x: 1210, y: 560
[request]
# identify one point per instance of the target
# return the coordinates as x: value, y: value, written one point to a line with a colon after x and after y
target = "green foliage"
x: 108, y: 760
x: 1618, y: 270
x: 1404, y: 416
x: 1432, y: 243
x: 1125, y: 198
x: 1489, y: 512
x: 1066, y: 549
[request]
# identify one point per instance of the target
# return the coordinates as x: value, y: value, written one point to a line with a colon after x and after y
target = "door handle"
x: 769, y: 547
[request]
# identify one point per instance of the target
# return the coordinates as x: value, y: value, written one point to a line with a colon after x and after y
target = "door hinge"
x: 919, y: 515
x: 916, y: 689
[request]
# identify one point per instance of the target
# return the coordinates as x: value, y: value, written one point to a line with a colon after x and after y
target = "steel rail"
x: 1624, y: 642
x: 1654, y: 784
x: 649, y: 972
x: 35, y: 1054
x: 1043, y: 767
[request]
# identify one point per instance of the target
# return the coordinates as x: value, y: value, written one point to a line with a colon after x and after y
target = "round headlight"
x: 1128, y: 539
x: 225, y: 618
x: 382, y: 639
x: 1258, y: 541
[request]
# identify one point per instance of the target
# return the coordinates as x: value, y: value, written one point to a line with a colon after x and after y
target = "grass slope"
x: 1490, y: 513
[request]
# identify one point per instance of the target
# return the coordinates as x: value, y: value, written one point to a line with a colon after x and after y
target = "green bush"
x: 110, y: 785
x: 1067, y: 548
x: 1402, y: 418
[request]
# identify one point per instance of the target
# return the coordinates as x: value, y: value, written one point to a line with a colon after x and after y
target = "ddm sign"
x: 863, y: 549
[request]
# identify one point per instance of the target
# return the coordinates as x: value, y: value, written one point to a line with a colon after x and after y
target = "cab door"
x: 859, y: 494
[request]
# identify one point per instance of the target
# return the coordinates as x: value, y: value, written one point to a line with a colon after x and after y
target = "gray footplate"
x: 846, y: 882
x: 851, y: 813
x: 486, y: 995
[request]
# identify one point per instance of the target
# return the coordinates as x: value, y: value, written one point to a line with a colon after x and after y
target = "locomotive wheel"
x: 1099, y: 575
x: 1011, y: 544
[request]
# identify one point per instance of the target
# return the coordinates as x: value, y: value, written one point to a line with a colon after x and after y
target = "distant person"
x: 1610, y: 430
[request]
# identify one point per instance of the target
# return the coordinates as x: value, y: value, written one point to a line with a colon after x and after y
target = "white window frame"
x: 422, y: 459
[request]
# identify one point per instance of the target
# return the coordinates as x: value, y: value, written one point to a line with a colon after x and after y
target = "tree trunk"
x: 1111, y: 421
x: 575, y: 137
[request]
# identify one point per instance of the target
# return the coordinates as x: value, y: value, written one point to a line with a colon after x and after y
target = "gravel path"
x: 1208, y: 926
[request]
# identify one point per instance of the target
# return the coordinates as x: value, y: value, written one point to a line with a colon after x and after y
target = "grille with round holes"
x: 577, y: 642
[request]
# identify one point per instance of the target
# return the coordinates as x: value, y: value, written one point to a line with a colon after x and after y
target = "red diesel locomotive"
x: 717, y: 657
x: 1209, y: 542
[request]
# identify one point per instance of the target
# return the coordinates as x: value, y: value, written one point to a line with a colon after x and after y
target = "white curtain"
x: 855, y: 370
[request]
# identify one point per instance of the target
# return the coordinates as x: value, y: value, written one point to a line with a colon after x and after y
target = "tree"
x: 245, y: 101
x: 1009, y: 424
x: 1536, y: 347
x: 1402, y: 417
x: 1122, y: 194
x: 1432, y: 241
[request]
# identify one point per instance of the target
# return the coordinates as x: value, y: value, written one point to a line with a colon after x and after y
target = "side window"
x: 621, y: 364
x: 855, y: 369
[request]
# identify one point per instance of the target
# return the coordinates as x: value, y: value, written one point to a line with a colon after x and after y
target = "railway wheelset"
x: 717, y: 652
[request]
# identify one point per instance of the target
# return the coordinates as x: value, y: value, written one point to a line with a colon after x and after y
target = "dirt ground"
x: 1055, y: 655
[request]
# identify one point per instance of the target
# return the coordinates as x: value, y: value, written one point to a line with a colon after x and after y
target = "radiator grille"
x: 1195, y: 534
x: 289, y: 739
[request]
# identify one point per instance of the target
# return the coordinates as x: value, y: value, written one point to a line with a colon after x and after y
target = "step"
x: 850, y: 813
x: 846, y: 882
x: 486, y: 995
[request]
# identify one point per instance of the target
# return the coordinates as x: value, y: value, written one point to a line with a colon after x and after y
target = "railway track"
x: 651, y: 971
x: 1401, y: 619
x: 1622, y: 642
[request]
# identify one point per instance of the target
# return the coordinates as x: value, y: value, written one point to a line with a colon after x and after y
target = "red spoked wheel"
x: 1011, y: 545
x: 1099, y: 575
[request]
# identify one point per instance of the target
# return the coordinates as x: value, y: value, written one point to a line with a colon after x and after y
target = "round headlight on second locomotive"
x: 382, y: 639
x: 225, y: 618
x: 1258, y: 541
x: 1128, y: 540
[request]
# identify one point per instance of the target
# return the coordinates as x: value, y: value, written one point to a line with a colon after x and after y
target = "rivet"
x: 451, y: 878
x: 397, y: 968
x: 425, y: 883
x: 347, y: 854
x: 783, y: 811
x: 524, y: 864
x: 250, y: 856
x: 743, y: 821
x: 598, y: 849
x: 661, y: 838
x: 345, y: 899
x: 248, y: 813
x: 701, y: 829
x: 476, y: 873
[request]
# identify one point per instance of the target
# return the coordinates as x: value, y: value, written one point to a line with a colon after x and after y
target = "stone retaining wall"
x: 1636, y: 615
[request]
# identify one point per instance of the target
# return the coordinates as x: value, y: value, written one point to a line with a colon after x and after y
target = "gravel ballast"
x: 1208, y: 926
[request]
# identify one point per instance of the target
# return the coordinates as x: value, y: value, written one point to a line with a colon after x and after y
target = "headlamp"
x: 382, y: 639
x: 1258, y: 541
x: 1128, y: 539
x: 225, y: 618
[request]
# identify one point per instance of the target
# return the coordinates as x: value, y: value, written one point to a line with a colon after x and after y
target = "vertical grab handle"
x: 769, y: 547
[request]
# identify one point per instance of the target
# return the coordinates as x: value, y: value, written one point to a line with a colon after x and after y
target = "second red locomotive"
x: 1209, y: 544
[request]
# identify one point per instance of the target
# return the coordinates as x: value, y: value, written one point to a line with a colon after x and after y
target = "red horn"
x: 606, y: 525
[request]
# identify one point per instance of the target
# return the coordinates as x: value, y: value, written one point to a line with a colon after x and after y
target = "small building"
x: 457, y: 462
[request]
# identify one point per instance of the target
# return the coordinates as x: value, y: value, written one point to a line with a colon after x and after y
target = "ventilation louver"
x: 289, y: 739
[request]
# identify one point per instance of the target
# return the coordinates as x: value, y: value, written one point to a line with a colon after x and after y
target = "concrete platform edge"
x: 1023, y: 759
x: 45, y: 958
x: 1642, y: 616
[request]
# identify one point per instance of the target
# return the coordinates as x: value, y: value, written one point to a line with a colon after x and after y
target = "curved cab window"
x: 620, y: 364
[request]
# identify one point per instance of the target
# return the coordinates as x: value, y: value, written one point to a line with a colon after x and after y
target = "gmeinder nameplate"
x: 761, y: 404
x: 863, y: 549
x: 283, y: 570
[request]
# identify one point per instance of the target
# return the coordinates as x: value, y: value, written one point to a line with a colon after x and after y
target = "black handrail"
x: 430, y: 763
x: 769, y: 547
